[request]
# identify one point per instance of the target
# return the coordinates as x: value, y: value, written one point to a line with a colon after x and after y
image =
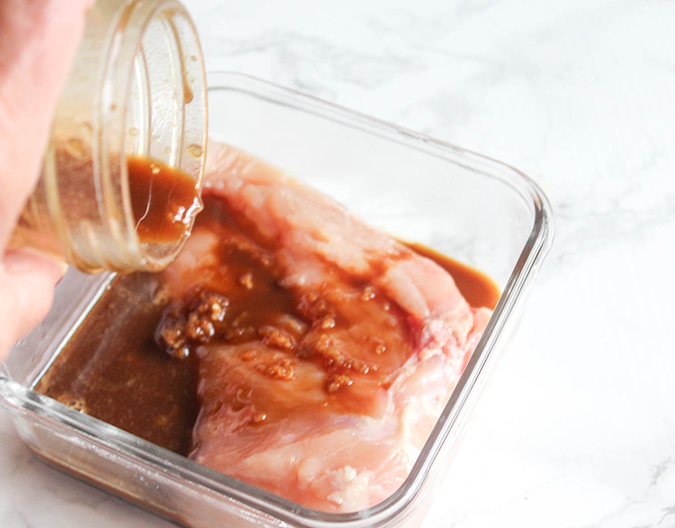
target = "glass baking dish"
x: 418, y: 189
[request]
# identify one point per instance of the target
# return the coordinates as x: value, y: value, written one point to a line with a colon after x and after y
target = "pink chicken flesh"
x: 333, y: 348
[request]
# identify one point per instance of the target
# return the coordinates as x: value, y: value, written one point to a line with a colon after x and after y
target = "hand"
x: 38, y: 40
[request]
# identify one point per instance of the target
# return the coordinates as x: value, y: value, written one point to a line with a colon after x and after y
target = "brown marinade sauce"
x: 161, y: 198
x: 477, y: 288
x: 113, y: 369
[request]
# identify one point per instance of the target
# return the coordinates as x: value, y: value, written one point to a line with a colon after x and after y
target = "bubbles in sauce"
x: 195, y: 150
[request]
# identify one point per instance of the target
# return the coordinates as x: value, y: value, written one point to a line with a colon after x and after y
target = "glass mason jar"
x: 137, y: 88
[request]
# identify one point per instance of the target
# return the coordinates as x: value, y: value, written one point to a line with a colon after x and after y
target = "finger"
x: 29, y: 280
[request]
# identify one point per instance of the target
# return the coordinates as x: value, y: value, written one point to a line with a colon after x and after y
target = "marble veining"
x: 577, y: 427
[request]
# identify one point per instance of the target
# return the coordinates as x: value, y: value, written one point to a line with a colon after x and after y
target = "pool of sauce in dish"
x: 114, y: 369
x: 111, y: 368
x: 477, y: 288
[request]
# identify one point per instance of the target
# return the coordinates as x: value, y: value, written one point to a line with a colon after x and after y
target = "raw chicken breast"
x: 327, y: 349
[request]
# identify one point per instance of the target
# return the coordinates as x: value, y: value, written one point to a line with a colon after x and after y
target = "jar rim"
x: 170, y: 85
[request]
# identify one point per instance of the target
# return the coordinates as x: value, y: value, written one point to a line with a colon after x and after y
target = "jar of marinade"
x: 121, y: 179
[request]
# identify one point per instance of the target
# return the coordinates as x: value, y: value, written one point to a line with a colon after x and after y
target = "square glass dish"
x: 470, y: 208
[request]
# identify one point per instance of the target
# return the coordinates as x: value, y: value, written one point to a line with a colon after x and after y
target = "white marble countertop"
x: 577, y: 428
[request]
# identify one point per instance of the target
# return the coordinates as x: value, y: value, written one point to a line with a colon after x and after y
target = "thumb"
x: 27, y: 280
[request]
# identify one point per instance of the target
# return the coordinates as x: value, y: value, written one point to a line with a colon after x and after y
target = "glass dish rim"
x: 25, y: 400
